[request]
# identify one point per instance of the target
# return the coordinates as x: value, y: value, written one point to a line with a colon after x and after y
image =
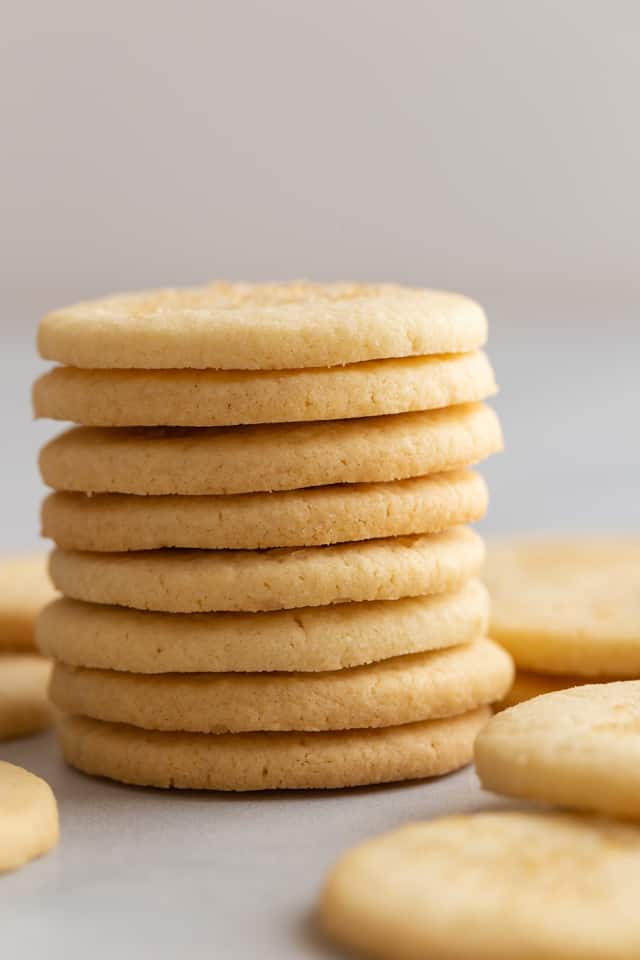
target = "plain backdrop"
x: 487, y: 146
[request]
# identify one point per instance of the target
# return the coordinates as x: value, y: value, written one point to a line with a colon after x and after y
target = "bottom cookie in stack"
x: 568, y: 611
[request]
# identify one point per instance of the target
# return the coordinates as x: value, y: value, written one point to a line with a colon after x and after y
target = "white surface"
x: 144, y: 873
x: 141, y: 873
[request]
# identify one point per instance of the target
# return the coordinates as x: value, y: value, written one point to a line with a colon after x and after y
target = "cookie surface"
x: 24, y: 589
x: 24, y: 707
x: 528, y: 685
x: 199, y: 581
x: 214, y: 398
x: 270, y: 761
x: 313, y: 517
x: 28, y: 817
x: 285, y: 456
x: 408, y: 689
x: 261, y: 327
x: 312, y: 638
x: 577, y: 748
x: 492, y: 885
x: 568, y: 607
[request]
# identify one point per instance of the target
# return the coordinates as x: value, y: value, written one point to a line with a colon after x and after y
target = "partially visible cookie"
x: 24, y: 707
x: 218, y: 398
x: 576, y: 748
x: 199, y: 581
x: 286, y: 456
x: 569, y: 607
x: 270, y: 761
x: 249, y: 521
x: 24, y: 589
x: 306, y: 639
x: 28, y: 817
x: 500, y: 885
x: 407, y: 689
x: 268, y: 326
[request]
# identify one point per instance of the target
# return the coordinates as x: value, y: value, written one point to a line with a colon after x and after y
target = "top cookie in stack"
x: 271, y: 573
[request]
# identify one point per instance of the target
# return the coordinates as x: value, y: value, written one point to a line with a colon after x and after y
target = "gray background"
x: 491, y: 147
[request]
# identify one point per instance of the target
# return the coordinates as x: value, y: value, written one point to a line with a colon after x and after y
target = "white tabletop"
x: 146, y: 873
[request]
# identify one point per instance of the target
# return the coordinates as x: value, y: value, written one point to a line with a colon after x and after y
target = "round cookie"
x: 24, y: 589
x: 309, y: 639
x: 528, y: 685
x: 576, y: 748
x: 568, y: 607
x: 198, y: 581
x: 270, y: 761
x: 423, y: 686
x: 313, y: 517
x: 24, y: 707
x: 277, y: 326
x: 28, y: 817
x: 286, y: 456
x: 215, y: 398
x: 498, y: 885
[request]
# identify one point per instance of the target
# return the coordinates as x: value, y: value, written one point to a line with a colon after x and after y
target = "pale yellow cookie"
x: 492, y: 886
x: 28, y: 817
x: 24, y: 707
x: 312, y: 517
x: 423, y: 686
x: 307, y: 639
x: 218, y: 398
x: 285, y: 456
x: 568, y: 606
x: 24, y: 589
x: 198, y: 581
x: 243, y: 326
x: 528, y: 685
x: 270, y: 761
x: 577, y: 748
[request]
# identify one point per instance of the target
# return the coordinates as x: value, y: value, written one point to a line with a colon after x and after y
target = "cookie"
x: 278, y: 326
x: 499, y: 885
x: 214, y: 398
x: 528, y: 685
x: 28, y: 817
x: 568, y: 607
x: 197, y: 581
x: 24, y: 707
x: 287, y: 456
x: 309, y: 639
x: 423, y: 686
x: 270, y: 761
x: 24, y: 589
x: 313, y: 517
x: 576, y: 748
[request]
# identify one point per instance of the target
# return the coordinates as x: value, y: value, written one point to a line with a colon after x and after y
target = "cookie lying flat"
x: 528, y: 685
x: 314, y: 517
x: 578, y: 748
x: 215, y: 398
x: 24, y: 589
x: 424, y: 686
x: 270, y: 761
x: 501, y: 885
x: 286, y: 456
x: 198, y: 581
x: 24, y: 707
x: 261, y: 327
x: 28, y: 817
x: 309, y: 639
x: 569, y: 607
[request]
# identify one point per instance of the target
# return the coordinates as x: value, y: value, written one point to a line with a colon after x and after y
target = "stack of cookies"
x: 261, y: 535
